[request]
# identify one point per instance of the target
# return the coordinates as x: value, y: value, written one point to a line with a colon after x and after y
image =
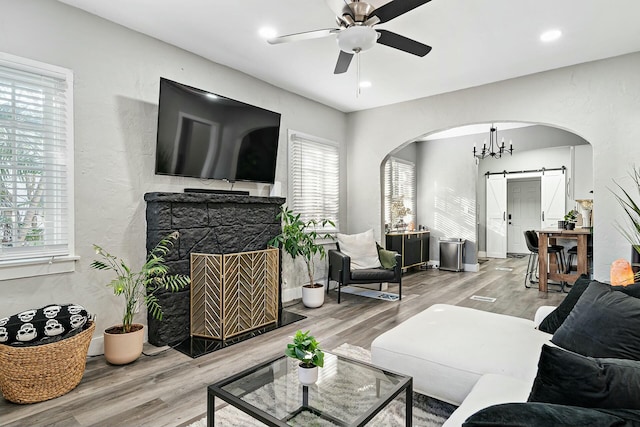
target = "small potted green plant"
x: 570, y: 219
x: 123, y: 343
x: 299, y: 239
x: 307, y: 350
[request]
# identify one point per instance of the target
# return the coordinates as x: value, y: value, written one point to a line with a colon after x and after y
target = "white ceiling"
x: 474, y: 41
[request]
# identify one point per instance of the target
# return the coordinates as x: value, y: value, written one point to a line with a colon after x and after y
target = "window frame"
x: 291, y: 200
x: 56, y: 261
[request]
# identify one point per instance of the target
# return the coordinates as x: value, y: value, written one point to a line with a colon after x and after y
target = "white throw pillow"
x: 361, y: 248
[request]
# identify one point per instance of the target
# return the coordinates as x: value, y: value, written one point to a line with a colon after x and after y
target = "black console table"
x: 412, y: 245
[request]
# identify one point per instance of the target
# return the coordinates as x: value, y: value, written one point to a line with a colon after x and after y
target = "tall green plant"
x: 298, y: 238
x: 143, y: 284
x: 631, y: 231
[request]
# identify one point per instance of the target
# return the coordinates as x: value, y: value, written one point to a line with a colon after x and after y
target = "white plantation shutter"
x: 400, y: 183
x: 314, y: 180
x: 35, y: 159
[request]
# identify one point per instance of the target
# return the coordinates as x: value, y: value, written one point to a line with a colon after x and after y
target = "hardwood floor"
x: 169, y: 388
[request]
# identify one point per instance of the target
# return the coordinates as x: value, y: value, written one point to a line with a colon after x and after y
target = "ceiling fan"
x: 356, y: 34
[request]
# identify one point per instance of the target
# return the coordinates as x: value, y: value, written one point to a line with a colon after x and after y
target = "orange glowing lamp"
x: 621, y: 273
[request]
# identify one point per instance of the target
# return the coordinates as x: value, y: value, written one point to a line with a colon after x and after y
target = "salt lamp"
x: 621, y: 273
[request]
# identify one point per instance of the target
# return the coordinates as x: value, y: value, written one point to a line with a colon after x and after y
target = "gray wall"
x: 447, y: 193
x: 598, y: 101
x: 117, y: 73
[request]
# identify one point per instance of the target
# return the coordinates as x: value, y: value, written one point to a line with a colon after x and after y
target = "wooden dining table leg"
x: 583, y: 262
x: 543, y: 268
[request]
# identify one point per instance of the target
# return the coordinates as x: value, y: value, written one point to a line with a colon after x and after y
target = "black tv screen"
x: 204, y: 135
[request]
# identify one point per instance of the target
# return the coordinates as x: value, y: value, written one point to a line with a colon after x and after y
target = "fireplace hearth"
x: 214, y: 224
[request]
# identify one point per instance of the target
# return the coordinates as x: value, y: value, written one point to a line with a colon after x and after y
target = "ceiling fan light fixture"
x: 357, y: 39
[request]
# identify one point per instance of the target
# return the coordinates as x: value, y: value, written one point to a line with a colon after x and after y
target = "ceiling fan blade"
x: 396, y: 8
x: 343, y: 62
x: 303, y: 36
x: 403, y: 43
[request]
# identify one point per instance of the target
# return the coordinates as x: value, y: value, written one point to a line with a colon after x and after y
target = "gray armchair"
x: 340, y: 271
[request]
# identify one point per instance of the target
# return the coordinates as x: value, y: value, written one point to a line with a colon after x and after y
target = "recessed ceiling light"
x: 267, y: 32
x: 365, y: 84
x: 551, y: 35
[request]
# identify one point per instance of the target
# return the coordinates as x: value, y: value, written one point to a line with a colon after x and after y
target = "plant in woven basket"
x: 141, y: 285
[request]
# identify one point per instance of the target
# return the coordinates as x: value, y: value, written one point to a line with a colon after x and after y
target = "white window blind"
x: 399, y: 188
x: 314, y: 179
x: 35, y: 157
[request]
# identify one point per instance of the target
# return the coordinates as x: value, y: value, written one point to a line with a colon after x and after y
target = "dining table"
x: 548, y: 264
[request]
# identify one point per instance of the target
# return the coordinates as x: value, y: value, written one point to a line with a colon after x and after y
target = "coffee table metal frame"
x: 405, y: 384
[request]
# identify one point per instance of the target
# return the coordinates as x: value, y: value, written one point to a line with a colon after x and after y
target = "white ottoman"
x: 446, y: 349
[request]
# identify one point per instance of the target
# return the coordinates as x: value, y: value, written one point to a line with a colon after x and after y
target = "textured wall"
x: 208, y: 224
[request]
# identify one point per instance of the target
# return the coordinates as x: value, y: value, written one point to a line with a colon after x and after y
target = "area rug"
x: 370, y: 293
x: 427, y: 412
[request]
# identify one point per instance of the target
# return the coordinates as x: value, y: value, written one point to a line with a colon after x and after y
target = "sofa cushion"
x: 547, y: 414
x: 35, y: 325
x: 373, y: 274
x: 569, y: 378
x: 552, y: 322
x: 361, y: 248
x: 491, y: 389
x: 603, y: 323
x: 456, y: 346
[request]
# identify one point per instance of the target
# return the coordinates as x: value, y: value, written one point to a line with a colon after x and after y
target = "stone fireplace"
x: 208, y: 223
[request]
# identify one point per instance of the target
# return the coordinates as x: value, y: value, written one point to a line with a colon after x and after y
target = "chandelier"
x: 494, y: 149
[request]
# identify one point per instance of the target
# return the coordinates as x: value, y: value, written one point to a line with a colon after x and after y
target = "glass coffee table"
x: 347, y: 393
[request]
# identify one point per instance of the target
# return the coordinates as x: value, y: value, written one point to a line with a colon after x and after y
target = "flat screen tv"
x: 204, y: 135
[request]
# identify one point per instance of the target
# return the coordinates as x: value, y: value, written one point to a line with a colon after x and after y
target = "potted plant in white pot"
x: 299, y: 239
x: 123, y: 343
x: 307, y: 350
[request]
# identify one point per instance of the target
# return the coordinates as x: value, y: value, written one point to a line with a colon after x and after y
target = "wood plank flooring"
x: 169, y: 388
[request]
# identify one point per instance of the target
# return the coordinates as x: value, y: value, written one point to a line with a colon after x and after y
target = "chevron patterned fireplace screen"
x: 233, y: 293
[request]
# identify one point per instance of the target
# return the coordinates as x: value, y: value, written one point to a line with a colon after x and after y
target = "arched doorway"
x: 451, y: 184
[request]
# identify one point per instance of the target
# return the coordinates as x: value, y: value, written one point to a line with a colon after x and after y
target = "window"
x: 314, y: 179
x: 36, y: 164
x: 399, y: 193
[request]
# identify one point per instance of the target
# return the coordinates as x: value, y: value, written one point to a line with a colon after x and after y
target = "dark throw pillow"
x: 552, y: 322
x: 568, y: 378
x: 603, y: 323
x: 631, y: 290
x: 547, y: 414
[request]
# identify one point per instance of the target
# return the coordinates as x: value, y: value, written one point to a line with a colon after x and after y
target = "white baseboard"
x: 96, y: 347
x: 471, y: 267
x: 482, y: 254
